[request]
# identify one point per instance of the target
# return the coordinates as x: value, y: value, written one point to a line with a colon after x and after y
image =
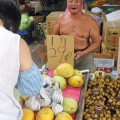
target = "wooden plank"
x: 118, y: 63
x: 79, y: 114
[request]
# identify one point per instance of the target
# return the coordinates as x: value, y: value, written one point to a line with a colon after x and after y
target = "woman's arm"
x: 30, y: 80
x: 25, y: 58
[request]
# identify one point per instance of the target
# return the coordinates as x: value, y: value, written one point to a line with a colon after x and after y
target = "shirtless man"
x: 82, y: 26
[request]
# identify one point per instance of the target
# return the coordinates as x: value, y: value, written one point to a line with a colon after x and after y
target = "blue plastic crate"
x: 26, y: 35
x: 23, y: 32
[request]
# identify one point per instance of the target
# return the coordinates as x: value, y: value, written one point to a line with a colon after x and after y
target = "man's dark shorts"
x: 86, y: 62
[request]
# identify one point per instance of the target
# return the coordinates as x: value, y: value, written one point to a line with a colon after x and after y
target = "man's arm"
x: 95, y: 38
x: 56, y: 29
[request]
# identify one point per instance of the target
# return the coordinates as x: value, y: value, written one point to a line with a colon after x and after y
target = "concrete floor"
x: 36, y: 58
x: 36, y: 48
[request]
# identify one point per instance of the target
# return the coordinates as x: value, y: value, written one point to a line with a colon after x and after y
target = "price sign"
x: 60, y: 49
x: 118, y: 63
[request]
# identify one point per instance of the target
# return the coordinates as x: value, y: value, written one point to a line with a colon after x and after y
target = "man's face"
x: 74, y: 6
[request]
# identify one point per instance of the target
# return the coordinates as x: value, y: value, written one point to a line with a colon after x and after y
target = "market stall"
x: 87, y: 96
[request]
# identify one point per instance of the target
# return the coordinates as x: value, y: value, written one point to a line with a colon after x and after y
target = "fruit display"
x: 61, y: 80
x: 63, y: 116
x: 75, y: 81
x: 65, y: 70
x: 102, y: 98
x: 55, y: 73
x: 45, y: 114
x: 70, y: 105
x: 77, y: 72
x: 28, y: 114
x: 73, y: 77
x: 49, y: 103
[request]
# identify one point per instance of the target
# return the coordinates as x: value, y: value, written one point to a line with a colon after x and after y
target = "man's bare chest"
x: 77, y: 29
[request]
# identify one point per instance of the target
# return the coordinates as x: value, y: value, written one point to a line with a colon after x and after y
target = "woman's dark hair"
x: 10, y: 14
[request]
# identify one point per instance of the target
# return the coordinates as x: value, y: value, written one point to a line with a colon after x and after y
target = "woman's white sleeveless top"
x: 9, y: 70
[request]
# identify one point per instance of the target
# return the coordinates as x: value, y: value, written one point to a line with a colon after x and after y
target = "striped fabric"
x: 30, y: 81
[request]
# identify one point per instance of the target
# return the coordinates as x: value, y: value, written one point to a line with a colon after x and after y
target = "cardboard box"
x: 98, y: 50
x: 118, y: 62
x: 51, y: 19
x: 110, y: 50
x: 102, y: 56
x: 38, y: 19
x: 103, y: 61
x: 111, y: 33
x: 103, y: 16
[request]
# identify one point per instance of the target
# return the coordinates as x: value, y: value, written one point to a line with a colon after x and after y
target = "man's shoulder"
x: 88, y: 18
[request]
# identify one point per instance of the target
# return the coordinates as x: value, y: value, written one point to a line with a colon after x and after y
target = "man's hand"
x: 78, y: 55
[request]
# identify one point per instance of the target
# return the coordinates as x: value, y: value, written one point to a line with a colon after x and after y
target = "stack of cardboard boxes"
x: 51, y: 20
x: 110, y: 37
x: 108, y: 56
